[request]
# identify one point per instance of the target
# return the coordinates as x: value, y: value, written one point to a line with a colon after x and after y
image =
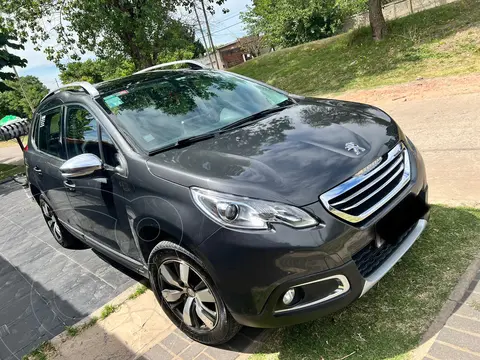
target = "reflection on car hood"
x: 291, y: 156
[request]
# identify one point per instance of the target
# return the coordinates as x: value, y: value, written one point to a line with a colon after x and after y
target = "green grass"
x: 7, y: 170
x: 141, y: 289
x: 75, y: 330
x: 43, y: 352
x: 108, y: 310
x: 437, y: 42
x: 389, y: 321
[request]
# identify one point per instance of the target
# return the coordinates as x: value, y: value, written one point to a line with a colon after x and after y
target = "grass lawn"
x: 7, y: 170
x: 437, y: 42
x: 389, y: 321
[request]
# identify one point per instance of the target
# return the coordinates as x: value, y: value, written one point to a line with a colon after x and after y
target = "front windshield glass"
x: 159, y: 112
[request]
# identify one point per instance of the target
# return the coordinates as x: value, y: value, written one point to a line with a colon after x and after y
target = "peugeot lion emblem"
x: 356, y: 148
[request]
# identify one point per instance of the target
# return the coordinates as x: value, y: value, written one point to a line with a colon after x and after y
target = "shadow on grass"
x: 389, y: 321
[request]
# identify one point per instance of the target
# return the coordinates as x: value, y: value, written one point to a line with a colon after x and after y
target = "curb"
x: 119, y: 300
x: 448, y: 308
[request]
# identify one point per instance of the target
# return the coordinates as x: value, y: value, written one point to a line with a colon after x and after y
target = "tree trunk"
x: 377, y: 21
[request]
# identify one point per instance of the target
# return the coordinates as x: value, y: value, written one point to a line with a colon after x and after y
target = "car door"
x: 45, y: 159
x: 97, y: 199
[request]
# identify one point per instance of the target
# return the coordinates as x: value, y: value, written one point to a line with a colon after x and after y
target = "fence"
x: 394, y: 10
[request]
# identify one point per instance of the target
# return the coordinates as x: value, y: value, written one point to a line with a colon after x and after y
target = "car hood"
x: 291, y: 156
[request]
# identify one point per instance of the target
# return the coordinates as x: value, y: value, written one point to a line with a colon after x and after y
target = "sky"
x: 225, y: 28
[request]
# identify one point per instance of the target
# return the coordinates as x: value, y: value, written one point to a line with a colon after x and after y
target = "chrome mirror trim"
x: 81, y: 165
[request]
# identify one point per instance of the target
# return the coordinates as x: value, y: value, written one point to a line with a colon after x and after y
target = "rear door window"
x: 50, y: 133
x: 81, y: 132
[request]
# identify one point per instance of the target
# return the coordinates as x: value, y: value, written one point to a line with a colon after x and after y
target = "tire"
x: 60, y: 234
x: 221, y: 326
x: 14, y: 130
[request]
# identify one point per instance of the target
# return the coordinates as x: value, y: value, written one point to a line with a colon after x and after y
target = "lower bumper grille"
x: 362, y: 195
x: 370, y: 257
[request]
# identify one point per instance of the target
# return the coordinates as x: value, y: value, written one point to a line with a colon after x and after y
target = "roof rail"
x: 192, y: 64
x: 86, y: 86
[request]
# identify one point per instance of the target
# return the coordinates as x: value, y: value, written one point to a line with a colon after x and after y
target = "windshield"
x: 178, y: 105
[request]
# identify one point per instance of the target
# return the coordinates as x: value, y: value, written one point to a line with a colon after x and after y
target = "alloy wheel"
x: 188, y: 295
x: 51, y: 220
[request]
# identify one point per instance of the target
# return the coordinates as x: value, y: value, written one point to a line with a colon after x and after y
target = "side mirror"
x: 81, y: 165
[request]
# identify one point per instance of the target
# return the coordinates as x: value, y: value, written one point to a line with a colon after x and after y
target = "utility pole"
x: 203, y: 35
x: 23, y: 90
x: 210, y: 34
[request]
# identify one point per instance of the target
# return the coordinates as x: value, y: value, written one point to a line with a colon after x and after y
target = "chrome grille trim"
x: 397, y: 163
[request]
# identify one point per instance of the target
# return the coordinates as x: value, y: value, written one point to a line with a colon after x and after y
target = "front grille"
x: 370, y: 257
x: 365, y: 193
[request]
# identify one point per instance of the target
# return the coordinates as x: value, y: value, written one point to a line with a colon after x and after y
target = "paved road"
x: 44, y: 287
x: 446, y: 129
x: 11, y: 154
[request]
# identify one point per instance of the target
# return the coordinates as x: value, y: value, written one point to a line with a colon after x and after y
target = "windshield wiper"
x: 185, y: 141
x: 256, y: 116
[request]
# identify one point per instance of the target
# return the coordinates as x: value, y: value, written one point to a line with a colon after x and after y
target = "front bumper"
x: 253, y: 271
x: 357, y: 287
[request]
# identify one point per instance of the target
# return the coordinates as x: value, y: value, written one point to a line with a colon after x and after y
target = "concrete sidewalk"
x: 455, y: 334
x: 139, y: 329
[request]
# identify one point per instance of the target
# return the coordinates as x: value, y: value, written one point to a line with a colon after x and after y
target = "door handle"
x: 37, y: 170
x: 69, y: 185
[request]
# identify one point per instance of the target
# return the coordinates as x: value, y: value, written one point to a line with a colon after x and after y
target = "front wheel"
x: 189, y: 297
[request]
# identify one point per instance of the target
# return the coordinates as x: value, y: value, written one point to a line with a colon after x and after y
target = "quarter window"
x: 49, y: 133
x: 81, y: 132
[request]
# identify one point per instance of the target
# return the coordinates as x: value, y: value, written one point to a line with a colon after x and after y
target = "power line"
x: 225, y: 28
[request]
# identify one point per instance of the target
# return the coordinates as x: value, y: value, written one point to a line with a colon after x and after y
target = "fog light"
x: 289, y: 296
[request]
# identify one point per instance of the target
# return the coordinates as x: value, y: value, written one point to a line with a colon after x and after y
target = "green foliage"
x: 71, y: 331
x: 95, y: 71
x: 137, y: 30
x: 436, y: 42
x: 14, y: 103
x: 8, y: 170
x: 141, y: 289
x: 42, y: 352
x: 108, y: 310
x: 292, y: 22
x: 8, y: 60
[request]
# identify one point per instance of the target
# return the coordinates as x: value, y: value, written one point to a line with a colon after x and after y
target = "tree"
x: 8, y: 60
x: 138, y: 30
x: 14, y: 103
x: 293, y: 22
x: 252, y: 44
x: 95, y: 71
x: 377, y: 21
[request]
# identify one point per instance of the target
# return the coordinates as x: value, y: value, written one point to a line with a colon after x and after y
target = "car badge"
x: 369, y: 167
x: 350, y: 146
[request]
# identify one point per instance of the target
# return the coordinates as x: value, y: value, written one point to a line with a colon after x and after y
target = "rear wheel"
x: 189, y: 297
x: 61, y: 235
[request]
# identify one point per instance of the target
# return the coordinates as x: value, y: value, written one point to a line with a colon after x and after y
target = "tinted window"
x: 109, y: 149
x: 82, y: 132
x: 158, y: 111
x: 49, y: 133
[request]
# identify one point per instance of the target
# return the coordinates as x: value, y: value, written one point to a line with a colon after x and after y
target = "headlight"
x: 238, y: 212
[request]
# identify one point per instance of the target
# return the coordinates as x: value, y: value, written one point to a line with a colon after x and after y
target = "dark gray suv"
x: 242, y: 204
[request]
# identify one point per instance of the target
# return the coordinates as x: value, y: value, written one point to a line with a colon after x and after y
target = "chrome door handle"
x: 69, y: 185
x: 37, y: 169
